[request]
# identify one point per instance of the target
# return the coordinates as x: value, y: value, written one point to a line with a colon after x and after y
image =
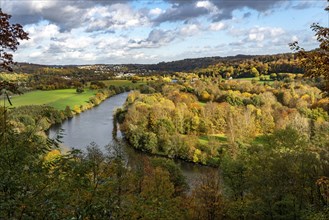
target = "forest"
x: 267, y: 141
x: 260, y: 123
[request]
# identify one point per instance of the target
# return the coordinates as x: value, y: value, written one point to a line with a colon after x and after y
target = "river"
x: 96, y: 125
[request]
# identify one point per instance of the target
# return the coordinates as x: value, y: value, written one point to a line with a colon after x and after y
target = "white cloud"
x: 260, y: 34
x: 35, y: 54
x: 217, y: 26
x: 213, y: 9
x: 39, y: 33
x: 294, y: 38
x: 39, y: 6
x: 276, y: 32
x: 257, y: 34
x: 156, y: 11
x: 190, y: 29
x: 114, y: 17
x: 204, y: 4
x: 124, y: 16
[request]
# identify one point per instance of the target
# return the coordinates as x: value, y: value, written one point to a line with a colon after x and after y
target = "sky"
x: 64, y: 32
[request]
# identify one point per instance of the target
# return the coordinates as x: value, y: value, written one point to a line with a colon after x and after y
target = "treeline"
x: 273, y: 66
x: 41, y: 77
x: 62, y: 81
x: 285, y: 63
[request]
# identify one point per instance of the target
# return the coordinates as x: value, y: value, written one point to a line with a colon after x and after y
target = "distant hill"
x: 173, y: 66
x: 204, y: 62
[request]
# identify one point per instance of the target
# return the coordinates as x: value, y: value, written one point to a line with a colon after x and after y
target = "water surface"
x: 94, y: 125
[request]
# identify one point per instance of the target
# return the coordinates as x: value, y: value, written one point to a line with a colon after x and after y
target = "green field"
x: 58, y: 99
x: 61, y: 98
x: 204, y: 139
x: 257, y: 79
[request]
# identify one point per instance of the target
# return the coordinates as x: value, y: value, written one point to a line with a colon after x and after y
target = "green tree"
x: 68, y: 112
x: 80, y: 90
x: 259, y: 180
x: 23, y: 174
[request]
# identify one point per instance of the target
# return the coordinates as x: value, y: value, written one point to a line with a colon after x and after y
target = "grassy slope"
x: 58, y: 99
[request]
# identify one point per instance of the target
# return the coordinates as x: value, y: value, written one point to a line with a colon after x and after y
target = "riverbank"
x: 43, y: 116
x: 94, y: 125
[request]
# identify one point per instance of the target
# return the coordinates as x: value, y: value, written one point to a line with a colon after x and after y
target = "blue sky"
x: 118, y: 31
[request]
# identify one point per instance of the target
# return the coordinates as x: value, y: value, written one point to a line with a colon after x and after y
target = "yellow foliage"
x: 305, y: 97
x: 77, y: 109
x: 205, y: 95
x: 52, y: 155
x: 166, y: 79
x: 196, y: 155
x: 246, y: 94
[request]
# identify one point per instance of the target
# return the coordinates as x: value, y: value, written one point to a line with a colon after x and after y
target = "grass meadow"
x: 58, y: 99
x: 61, y: 98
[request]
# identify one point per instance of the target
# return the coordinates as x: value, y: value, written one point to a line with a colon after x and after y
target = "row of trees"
x: 254, y: 67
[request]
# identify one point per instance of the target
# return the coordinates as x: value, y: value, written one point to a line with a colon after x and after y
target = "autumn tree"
x: 10, y: 34
x: 316, y: 62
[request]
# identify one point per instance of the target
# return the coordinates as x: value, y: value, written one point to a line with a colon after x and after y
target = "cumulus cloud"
x: 257, y: 39
x: 39, y: 34
x: 65, y: 14
x: 180, y: 11
x: 302, y: 4
x: 228, y: 6
x: 159, y: 37
x: 190, y: 30
x: 87, y: 31
x: 95, y: 15
x: 156, y: 12
x: 100, y: 15
x: 217, y: 26
x: 114, y: 17
x: 155, y: 39
x: 259, y: 34
x: 217, y: 9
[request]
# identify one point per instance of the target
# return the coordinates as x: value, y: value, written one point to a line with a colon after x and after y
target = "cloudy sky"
x: 151, y: 31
